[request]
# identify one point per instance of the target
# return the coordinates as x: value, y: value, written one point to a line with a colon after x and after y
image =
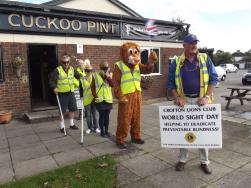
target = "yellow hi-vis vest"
x: 81, y: 72
x: 103, y: 90
x: 76, y: 83
x: 65, y: 82
x: 87, y: 96
x: 130, y: 81
x: 204, y: 77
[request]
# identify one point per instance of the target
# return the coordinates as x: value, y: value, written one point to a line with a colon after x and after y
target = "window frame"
x: 1, y: 65
x: 159, y: 59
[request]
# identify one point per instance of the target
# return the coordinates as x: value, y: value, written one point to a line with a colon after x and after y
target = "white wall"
x: 94, y: 5
x: 237, y: 59
x: 78, y: 40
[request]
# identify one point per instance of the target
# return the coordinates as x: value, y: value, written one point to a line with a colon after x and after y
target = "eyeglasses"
x: 88, y: 70
x: 193, y: 43
x: 65, y: 62
x: 104, y: 68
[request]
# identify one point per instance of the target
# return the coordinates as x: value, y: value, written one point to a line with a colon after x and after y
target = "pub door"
x: 42, y: 61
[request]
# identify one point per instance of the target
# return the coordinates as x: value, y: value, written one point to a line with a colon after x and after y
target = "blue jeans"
x: 91, y: 117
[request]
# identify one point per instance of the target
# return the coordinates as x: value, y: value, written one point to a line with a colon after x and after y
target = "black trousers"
x: 104, y: 120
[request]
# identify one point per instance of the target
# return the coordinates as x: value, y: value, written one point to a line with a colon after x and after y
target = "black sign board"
x: 87, y: 26
x: 58, y: 25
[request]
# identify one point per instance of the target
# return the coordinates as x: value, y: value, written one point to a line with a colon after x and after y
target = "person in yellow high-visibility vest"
x: 88, y: 101
x: 192, y: 79
x: 81, y: 70
x: 62, y: 82
x: 102, y: 92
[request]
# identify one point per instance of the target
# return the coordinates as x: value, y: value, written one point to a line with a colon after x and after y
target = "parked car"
x: 229, y: 67
x: 246, y: 78
x: 221, y: 73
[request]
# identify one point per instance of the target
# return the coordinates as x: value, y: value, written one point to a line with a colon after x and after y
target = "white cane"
x: 82, y: 123
x: 61, y: 114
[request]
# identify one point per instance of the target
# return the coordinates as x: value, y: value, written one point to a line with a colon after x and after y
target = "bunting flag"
x: 151, y: 28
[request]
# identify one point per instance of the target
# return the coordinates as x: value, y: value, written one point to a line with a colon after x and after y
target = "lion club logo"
x: 190, y: 137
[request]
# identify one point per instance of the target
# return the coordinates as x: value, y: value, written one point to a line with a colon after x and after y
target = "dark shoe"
x: 121, y: 146
x: 138, y: 141
x: 62, y: 130
x: 108, y: 134
x: 205, y: 169
x: 103, y: 135
x: 180, y: 166
x: 73, y: 127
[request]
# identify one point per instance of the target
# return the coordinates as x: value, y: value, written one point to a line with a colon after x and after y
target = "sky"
x: 219, y: 24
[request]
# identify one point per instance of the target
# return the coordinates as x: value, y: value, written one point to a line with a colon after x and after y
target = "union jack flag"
x: 151, y: 28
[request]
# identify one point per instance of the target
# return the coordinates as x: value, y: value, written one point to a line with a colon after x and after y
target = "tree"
x: 221, y: 57
x: 247, y: 57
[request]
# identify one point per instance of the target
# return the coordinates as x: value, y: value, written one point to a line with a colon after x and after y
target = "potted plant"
x: 18, y: 63
x: 146, y: 82
x: 5, y: 116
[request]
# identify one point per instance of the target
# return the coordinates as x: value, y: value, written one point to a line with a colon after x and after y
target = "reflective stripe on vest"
x: 65, y: 82
x: 104, y: 91
x: 87, y: 96
x: 204, y: 76
x: 130, y: 81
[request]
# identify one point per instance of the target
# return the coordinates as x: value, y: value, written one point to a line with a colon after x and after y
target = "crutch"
x: 82, y: 123
x: 62, y: 116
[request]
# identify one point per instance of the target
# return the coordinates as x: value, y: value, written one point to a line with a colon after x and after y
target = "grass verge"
x: 93, y: 173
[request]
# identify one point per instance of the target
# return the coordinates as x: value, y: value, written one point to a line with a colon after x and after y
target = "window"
x: 1, y: 65
x: 145, y: 51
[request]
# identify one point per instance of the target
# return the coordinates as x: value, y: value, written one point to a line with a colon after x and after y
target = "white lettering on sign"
x: 42, y: 22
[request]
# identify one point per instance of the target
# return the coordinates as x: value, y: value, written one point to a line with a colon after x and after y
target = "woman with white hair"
x: 81, y: 70
x: 88, y: 102
x: 81, y: 66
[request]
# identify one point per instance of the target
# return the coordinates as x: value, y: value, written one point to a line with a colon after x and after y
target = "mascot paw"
x: 153, y: 58
x: 123, y: 100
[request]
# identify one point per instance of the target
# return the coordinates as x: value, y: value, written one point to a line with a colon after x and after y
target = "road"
x: 232, y: 80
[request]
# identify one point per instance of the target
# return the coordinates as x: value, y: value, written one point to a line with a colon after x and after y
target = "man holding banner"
x: 192, y: 79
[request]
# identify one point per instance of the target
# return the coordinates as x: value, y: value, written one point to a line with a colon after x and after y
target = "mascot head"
x: 130, y: 53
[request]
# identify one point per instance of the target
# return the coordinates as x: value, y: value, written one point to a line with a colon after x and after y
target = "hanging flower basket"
x: 18, y: 63
x: 146, y: 82
x: 5, y: 116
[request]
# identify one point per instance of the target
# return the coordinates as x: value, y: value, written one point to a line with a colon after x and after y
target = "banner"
x: 191, y: 126
x: 160, y: 32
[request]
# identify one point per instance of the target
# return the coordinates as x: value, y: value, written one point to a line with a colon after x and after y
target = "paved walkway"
x: 28, y: 149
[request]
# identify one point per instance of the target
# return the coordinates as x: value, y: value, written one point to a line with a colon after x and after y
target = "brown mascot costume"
x: 127, y: 90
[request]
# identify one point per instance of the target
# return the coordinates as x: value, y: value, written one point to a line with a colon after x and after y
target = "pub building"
x: 38, y: 35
